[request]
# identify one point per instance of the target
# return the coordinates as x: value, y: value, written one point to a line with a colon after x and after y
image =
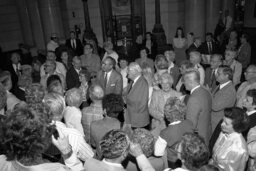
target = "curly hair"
x: 26, y: 132
x: 145, y: 139
x: 239, y: 118
x: 194, y: 151
x: 34, y: 93
x: 174, y: 110
x: 113, y: 104
x: 114, y: 144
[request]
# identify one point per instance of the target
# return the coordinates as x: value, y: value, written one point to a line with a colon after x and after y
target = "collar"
x: 224, y: 84
x: 195, y: 45
x: 175, y: 123
x: 194, y: 89
x: 251, y: 112
x: 136, y: 79
x: 112, y: 164
x: 77, y: 70
x: 22, y: 88
x: 59, y: 124
x: 2, y: 112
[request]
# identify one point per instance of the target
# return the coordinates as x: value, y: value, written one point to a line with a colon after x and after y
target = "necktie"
x: 209, y: 48
x: 105, y: 79
x: 17, y: 69
x: 213, y: 79
x: 131, y: 84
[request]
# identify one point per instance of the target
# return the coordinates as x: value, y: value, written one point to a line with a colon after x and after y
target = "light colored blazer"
x: 137, y: 104
x: 114, y: 84
x: 225, y: 97
x: 198, y: 111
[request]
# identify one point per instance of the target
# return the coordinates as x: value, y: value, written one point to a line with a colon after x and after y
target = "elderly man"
x: 137, y: 98
x: 72, y: 78
x: 199, y: 104
x: 236, y: 66
x: 210, y: 72
x: 56, y: 104
x: 250, y: 83
x: 109, y: 78
x: 53, y: 43
x: 50, y: 69
x: 94, y: 111
x: 195, y: 58
x: 60, y: 68
x: 223, y: 96
x: 115, y: 147
x: 72, y: 114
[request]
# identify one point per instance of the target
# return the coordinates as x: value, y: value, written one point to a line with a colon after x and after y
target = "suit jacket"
x: 175, y: 73
x: 14, y: 75
x: 137, y: 103
x: 199, y: 110
x: 72, y: 78
x: 114, y: 84
x: 223, y: 98
x: 191, y: 48
x: 203, y: 49
x: 79, y: 47
x: 96, y: 165
x: 244, y: 54
x: 19, y: 93
x: 210, y: 79
x: 237, y: 71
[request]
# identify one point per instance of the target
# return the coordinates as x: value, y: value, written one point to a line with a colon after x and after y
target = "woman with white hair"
x: 158, y: 100
x: 72, y: 113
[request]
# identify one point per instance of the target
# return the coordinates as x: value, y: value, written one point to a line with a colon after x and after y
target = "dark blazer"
x: 175, y: 73
x: 115, y: 82
x: 72, y: 78
x: 79, y: 47
x: 244, y: 55
x: 210, y: 79
x: 19, y: 93
x: 203, y: 49
x: 191, y: 48
x: 14, y: 75
x: 199, y: 112
x: 223, y: 98
x: 137, y: 103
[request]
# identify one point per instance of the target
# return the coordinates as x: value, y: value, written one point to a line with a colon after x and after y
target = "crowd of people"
x: 191, y: 107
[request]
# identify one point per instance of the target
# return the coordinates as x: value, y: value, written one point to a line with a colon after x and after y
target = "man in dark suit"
x: 109, y: 78
x: 24, y: 82
x: 209, y: 46
x: 74, y: 44
x: 210, y: 72
x: 199, y: 105
x: 72, y: 77
x: 137, y: 98
x: 14, y: 68
x: 194, y: 46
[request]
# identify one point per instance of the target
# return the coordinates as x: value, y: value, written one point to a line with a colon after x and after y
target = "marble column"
x: 25, y: 22
x: 51, y: 18
x: 36, y: 24
x: 158, y: 30
x: 195, y: 17
x: 213, y: 8
x: 88, y: 33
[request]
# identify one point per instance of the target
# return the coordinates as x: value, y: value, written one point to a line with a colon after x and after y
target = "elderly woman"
x: 175, y: 112
x: 146, y: 140
x: 230, y: 150
x: 113, y: 106
x: 159, y: 98
x: 6, y: 81
x: 72, y: 114
x: 25, y: 134
x: 192, y: 151
x: 56, y: 103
